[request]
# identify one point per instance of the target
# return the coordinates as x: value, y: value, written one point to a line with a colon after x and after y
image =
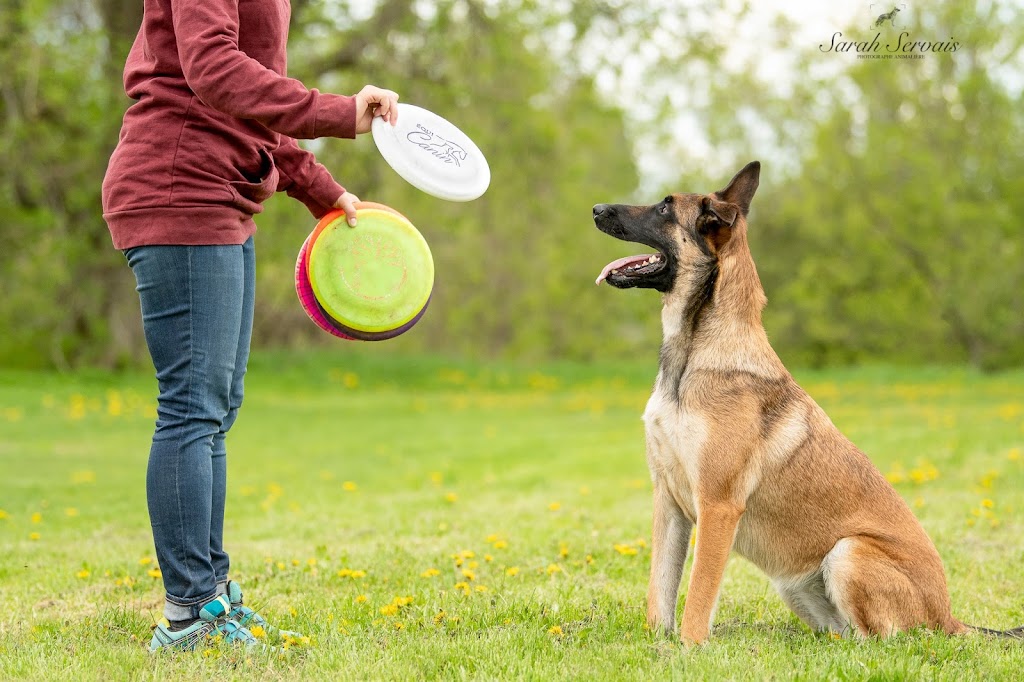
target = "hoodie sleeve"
x: 305, y: 179
x: 227, y: 79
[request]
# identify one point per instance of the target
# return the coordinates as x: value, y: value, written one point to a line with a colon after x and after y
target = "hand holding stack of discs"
x: 374, y: 281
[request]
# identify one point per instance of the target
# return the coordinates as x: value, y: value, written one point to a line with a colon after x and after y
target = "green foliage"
x: 887, y: 225
x: 900, y: 235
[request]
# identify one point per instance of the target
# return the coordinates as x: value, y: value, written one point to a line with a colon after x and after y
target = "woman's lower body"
x: 197, y: 312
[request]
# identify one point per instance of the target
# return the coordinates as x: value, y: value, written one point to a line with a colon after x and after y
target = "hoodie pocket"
x: 249, y: 196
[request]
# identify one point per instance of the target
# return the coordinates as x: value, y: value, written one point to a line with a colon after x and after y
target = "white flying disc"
x: 432, y: 155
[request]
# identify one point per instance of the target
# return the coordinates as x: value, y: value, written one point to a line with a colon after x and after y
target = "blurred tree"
x: 64, y: 287
x: 900, y: 237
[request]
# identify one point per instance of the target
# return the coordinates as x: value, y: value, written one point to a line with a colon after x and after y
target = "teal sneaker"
x: 213, y: 623
x: 257, y: 624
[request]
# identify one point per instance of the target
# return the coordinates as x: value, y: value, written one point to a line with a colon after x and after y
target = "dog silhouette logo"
x: 889, y: 16
x: 445, y: 150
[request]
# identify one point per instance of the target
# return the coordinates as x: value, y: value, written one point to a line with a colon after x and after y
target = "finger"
x: 350, y: 209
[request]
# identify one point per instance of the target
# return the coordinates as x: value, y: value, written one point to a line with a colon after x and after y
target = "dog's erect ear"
x: 716, y: 221
x: 741, y: 188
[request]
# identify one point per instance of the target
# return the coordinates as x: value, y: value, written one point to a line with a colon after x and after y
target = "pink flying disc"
x: 308, y: 299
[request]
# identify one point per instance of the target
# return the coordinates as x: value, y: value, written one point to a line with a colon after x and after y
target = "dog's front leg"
x: 716, y: 530
x: 670, y: 540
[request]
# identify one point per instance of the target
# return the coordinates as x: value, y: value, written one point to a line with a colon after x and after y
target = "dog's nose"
x: 600, y: 209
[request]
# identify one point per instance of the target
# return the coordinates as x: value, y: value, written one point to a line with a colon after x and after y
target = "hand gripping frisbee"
x: 370, y: 282
x: 432, y: 155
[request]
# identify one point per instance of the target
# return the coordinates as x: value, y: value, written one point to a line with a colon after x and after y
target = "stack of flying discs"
x: 374, y: 281
x: 370, y: 282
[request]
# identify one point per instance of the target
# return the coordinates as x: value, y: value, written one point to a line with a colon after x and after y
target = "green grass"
x: 449, y: 457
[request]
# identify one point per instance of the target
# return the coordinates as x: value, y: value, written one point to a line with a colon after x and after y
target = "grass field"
x: 511, y: 503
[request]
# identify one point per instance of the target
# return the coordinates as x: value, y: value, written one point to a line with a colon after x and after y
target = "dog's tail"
x: 1015, y: 633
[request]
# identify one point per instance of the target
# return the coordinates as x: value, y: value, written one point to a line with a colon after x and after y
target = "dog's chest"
x: 675, y: 439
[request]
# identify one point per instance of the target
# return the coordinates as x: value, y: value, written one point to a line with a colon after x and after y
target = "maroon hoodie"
x: 212, y: 133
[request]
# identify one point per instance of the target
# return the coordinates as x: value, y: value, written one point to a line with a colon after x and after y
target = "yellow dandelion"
x: 71, y: 512
x: 553, y: 568
x: 584, y: 490
x: 399, y: 626
x: 389, y: 609
x: 590, y: 559
x: 555, y: 630
x: 473, y: 564
x: 361, y: 599
x: 563, y: 550
x: 895, y: 477
x: 555, y: 506
x: 468, y: 574
x: 624, y: 549
x: 257, y: 631
x: 84, y: 573
x: 280, y: 565
x: 970, y: 522
x: 154, y: 573
x: 919, y: 502
x: 462, y: 586
x: 349, y: 486
x: 451, y: 498
x: 512, y: 571
x: 492, y: 538
x: 439, y: 618
x: 311, y: 561
x: 33, y: 536
x: 467, y: 554
x: 145, y: 561
x: 295, y: 562
x: 83, y: 477
x: 358, y: 574
x: 987, y: 503
x: 500, y: 544
x: 4, y: 515
x: 1013, y: 455
x: 430, y: 573
x: 488, y: 557
x: 37, y: 518
x: 994, y: 523
x: 436, y: 478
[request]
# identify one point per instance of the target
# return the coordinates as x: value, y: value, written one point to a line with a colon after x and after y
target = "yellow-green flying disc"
x: 374, y: 280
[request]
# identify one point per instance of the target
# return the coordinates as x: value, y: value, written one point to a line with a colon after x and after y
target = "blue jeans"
x: 197, y: 309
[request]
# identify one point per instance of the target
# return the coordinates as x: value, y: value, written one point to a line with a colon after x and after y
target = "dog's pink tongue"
x: 621, y: 263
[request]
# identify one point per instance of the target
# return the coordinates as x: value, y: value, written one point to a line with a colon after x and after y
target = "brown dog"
x: 738, y: 449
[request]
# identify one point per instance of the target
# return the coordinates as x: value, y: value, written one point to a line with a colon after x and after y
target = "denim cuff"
x: 175, y: 610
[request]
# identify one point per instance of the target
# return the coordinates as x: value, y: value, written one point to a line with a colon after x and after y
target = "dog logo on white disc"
x: 445, y: 150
